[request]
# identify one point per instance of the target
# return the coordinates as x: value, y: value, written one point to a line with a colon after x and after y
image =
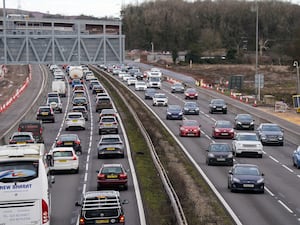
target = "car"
x: 112, y: 176
x: 125, y: 77
x: 190, y: 128
x: 78, y: 87
x: 177, y: 88
x: 101, y: 207
x: 79, y: 93
x: 191, y: 93
x: 110, y: 145
x: 246, y: 177
x: 89, y: 76
x: 36, y: 127
x: 97, y: 88
x: 247, y: 144
x: 80, y: 101
x: 296, y: 157
x: 92, y: 83
x: 45, y: 113
x: 219, y: 154
x: 60, y: 77
x: 244, y: 121
x: 53, y: 94
x: 121, y: 74
x: 217, y: 105
x: 160, y: 99
x: 75, y: 120
x: 149, y: 93
x: 21, y: 138
x: 174, y: 112
x: 191, y: 108
x: 75, y: 82
x: 138, y: 75
x: 140, y: 86
x: 103, y: 102
x: 69, y: 140
x: 131, y: 81
x: 108, y: 125
x: 81, y: 109
x: 55, y: 103
x: 270, y: 133
x: 108, y: 112
x: 223, y: 129
x: 64, y: 159
x: 101, y: 94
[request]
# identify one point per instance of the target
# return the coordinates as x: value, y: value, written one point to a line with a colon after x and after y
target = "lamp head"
x: 295, y: 63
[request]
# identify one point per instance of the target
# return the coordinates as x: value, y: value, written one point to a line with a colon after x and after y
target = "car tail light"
x: 58, y: 143
x: 41, y: 130
x: 45, y: 212
x: 19, y: 129
x: 122, y: 219
x: 12, y: 142
x: 81, y: 221
x: 101, y: 176
x: 77, y: 142
x: 74, y: 157
x: 123, y: 176
x: 100, y: 124
x: 30, y: 141
x: 115, y: 123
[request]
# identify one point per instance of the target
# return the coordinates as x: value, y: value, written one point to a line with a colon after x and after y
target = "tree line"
x: 202, y: 27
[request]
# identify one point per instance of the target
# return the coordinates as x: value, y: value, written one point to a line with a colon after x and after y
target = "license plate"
x: 219, y: 109
x: 108, y: 125
x: 191, y: 134
x: 102, y: 221
x: 224, y: 133
x: 21, y: 142
x: 246, y: 126
x: 68, y: 143
x: 112, y: 176
x: 45, y: 113
x: 62, y: 160
x: 110, y: 149
x: 74, y: 121
x: 248, y: 185
x: 220, y: 159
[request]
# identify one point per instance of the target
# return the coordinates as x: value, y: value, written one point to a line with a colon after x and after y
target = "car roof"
x: 112, y: 165
x: 74, y: 113
x: 92, y: 194
x: 22, y: 133
x: 58, y: 149
x: 111, y: 136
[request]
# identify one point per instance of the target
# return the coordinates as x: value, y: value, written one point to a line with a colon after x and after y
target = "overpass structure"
x: 25, y: 40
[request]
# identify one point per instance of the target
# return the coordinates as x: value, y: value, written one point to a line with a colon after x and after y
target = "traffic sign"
x: 259, y: 80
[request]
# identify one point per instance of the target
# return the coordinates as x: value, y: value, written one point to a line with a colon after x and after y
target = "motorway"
x: 280, y: 204
x: 68, y: 188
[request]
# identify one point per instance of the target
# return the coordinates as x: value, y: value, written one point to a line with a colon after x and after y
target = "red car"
x: 112, y: 176
x: 223, y: 129
x: 190, y: 128
x: 191, y: 93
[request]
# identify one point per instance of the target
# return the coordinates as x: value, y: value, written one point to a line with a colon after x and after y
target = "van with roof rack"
x: 101, y: 207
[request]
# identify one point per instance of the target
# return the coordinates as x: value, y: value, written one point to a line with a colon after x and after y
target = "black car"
x: 45, y: 113
x: 217, y: 105
x: 139, y: 75
x: 219, y: 154
x: 191, y: 108
x: 69, y: 140
x: 244, y: 121
x: 174, y: 112
x: 149, y: 93
x: 270, y: 133
x: 246, y: 177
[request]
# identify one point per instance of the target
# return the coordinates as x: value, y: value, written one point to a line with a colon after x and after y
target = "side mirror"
x: 262, y: 174
x: 230, y: 172
x: 49, y: 160
x: 78, y: 204
x: 52, y: 179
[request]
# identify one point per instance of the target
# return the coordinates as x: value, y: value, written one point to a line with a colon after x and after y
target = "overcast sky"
x: 97, y: 8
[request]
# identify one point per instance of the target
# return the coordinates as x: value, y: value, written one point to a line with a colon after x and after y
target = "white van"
x: 60, y: 87
x: 24, y: 185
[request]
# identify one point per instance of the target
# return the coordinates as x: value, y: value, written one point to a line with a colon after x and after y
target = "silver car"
x: 108, y: 125
x: 110, y: 145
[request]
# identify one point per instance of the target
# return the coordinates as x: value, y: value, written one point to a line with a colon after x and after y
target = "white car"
x: 131, y: 81
x: 140, y: 86
x: 64, y: 158
x: 75, y: 120
x: 121, y: 74
x: 160, y: 99
x: 126, y: 77
x: 55, y: 103
x: 90, y: 76
x: 248, y: 144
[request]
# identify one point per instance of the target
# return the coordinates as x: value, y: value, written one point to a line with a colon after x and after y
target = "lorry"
x: 25, y: 183
x: 59, y: 86
x: 75, y: 72
x: 153, y: 78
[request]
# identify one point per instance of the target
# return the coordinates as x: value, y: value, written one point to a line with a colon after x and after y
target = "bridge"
x: 26, y: 40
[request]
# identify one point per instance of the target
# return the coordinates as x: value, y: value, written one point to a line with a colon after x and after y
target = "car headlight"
x: 180, y: 113
x: 185, y: 109
x: 224, y: 106
x: 211, y: 155
x: 214, y: 106
x: 263, y: 137
x: 230, y: 155
x: 239, y: 122
x: 252, y: 122
x: 197, y: 109
x: 236, y: 180
x: 280, y: 138
x: 260, y: 180
x: 169, y: 113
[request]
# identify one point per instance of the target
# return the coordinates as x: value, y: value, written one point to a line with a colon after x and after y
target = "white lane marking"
x: 271, y: 157
x: 289, y: 169
x: 268, y: 190
x: 285, y: 206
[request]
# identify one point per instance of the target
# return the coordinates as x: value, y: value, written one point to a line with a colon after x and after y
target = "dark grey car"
x: 244, y: 121
x: 270, y: 133
x: 174, y: 112
x: 217, y: 105
x: 149, y: 93
x: 219, y: 154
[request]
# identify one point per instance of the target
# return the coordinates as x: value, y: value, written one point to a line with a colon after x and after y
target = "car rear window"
x: 108, y: 120
x: 109, y: 170
x: 74, y: 116
x: 21, y: 137
x: 68, y: 138
x: 101, y: 213
x: 62, y: 154
x: 110, y: 140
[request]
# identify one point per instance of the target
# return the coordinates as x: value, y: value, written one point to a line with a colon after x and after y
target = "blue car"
x: 174, y: 112
x: 296, y: 157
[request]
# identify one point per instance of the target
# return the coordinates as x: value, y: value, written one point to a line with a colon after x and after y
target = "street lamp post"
x: 4, y: 33
x: 256, y: 53
x: 296, y: 64
x: 152, y: 47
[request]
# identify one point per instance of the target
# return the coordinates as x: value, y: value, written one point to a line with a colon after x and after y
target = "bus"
x: 24, y: 185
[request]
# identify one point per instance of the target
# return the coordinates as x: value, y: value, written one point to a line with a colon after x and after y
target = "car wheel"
x: 260, y: 156
x: 53, y: 121
x: 76, y: 171
x: 125, y: 187
x: 281, y: 144
x: 98, y: 187
x: 224, y: 112
x: 99, y: 132
x: 67, y: 128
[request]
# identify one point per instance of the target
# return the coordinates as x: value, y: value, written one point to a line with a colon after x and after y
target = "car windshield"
x: 243, y: 170
x: 174, y: 107
x: 79, y: 100
x: 270, y: 128
x: 247, y: 137
x: 110, y: 140
x: 108, y: 120
x: 140, y: 83
x: 219, y: 148
x: 190, y: 104
x: 101, y: 213
x: 244, y: 117
x: 224, y: 124
x: 190, y: 123
x: 218, y: 101
x: 191, y: 90
x: 160, y: 96
x: 53, y: 100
